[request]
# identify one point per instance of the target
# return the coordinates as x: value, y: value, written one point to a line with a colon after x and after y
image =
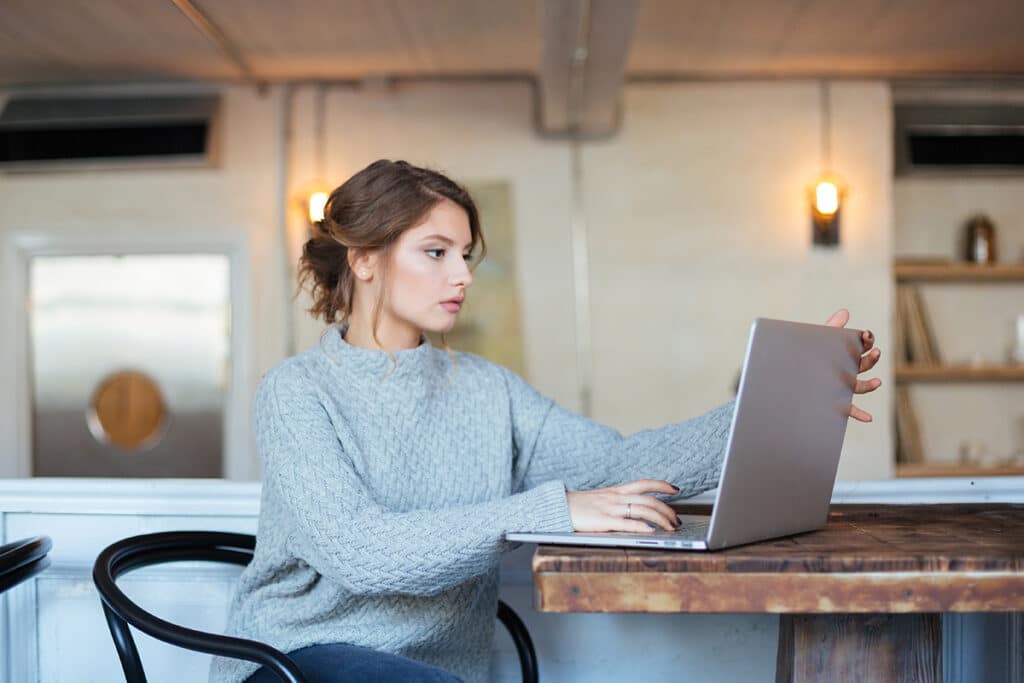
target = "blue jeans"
x: 341, y: 662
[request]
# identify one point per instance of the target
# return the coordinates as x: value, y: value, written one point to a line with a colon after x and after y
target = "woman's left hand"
x: 869, y: 358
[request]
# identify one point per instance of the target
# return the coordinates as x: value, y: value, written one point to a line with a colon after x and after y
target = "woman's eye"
x: 440, y: 252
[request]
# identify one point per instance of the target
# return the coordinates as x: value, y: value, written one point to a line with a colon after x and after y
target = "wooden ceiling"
x: 873, y: 38
x: 278, y: 40
x: 578, y: 51
x: 99, y: 40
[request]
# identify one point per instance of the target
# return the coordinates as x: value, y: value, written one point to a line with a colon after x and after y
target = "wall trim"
x: 216, y: 497
x: 923, y: 490
x: 201, y: 497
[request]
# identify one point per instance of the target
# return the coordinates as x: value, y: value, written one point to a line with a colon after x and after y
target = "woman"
x: 392, y: 469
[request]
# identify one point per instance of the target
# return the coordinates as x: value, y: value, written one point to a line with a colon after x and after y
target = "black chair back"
x: 176, y: 546
x: 23, y: 559
x: 186, y: 546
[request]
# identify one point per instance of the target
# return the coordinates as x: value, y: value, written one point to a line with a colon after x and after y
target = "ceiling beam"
x: 586, y: 44
x: 215, y: 35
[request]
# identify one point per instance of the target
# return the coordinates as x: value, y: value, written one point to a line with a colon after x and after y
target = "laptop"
x: 783, y: 450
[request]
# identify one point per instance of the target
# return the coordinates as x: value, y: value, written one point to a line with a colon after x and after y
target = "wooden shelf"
x: 906, y: 272
x: 926, y: 470
x: 958, y: 272
x: 959, y: 373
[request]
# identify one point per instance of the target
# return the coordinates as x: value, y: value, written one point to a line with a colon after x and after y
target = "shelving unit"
x: 913, y: 271
x: 945, y: 271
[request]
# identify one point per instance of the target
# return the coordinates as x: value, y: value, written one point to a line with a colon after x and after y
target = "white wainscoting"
x: 53, y: 629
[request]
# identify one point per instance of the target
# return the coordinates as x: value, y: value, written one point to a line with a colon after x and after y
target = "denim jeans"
x: 337, y: 662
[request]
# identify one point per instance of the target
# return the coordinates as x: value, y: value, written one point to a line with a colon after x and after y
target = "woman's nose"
x: 461, y: 276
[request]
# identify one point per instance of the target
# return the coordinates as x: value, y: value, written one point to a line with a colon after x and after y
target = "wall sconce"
x: 828, y: 191
x: 826, y: 207
x: 316, y: 203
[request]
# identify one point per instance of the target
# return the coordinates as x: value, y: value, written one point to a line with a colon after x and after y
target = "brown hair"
x: 369, y: 212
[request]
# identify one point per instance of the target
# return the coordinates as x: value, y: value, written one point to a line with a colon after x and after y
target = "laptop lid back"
x: 787, y: 432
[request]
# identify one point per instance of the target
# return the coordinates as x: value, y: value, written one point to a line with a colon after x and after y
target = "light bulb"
x: 317, y: 202
x: 826, y: 198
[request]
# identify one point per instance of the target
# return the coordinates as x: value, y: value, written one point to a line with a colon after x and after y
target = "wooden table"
x: 860, y: 599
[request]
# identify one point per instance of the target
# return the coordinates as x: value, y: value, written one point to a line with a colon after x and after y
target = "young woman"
x: 392, y: 469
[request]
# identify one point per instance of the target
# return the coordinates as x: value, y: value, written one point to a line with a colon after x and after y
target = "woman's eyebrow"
x: 444, y: 239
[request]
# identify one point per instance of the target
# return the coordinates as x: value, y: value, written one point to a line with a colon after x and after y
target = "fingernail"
x: 675, y: 487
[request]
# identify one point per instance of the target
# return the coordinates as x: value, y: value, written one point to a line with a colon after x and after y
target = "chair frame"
x: 213, y: 546
x: 23, y: 559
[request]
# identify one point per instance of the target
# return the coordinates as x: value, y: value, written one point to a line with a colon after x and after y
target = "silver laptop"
x: 783, y: 450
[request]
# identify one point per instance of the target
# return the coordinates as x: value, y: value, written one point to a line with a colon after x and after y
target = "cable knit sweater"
x: 386, y: 498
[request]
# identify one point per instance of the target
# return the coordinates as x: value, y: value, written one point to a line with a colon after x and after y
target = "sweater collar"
x: 420, y: 361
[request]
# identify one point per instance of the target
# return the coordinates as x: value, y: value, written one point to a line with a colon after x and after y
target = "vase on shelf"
x: 981, y: 240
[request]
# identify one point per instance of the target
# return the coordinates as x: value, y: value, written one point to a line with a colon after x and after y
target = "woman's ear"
x: 362, y: 263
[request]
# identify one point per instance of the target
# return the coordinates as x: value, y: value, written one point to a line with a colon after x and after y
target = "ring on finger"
x: 629, y: 511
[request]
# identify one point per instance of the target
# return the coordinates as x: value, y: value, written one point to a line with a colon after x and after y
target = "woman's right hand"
x: 623, y: 507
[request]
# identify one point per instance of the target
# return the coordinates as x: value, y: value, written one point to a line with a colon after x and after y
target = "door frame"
x: 21, y: 247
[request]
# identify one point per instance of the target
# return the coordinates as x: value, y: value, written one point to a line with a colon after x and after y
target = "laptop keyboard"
x: 688, y: 528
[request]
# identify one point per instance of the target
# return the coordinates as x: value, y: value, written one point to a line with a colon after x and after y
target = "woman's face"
x: 429, y: 266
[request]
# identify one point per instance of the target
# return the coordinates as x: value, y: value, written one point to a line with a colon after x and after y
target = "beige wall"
x: 700, y: 224
x: 696, y: 209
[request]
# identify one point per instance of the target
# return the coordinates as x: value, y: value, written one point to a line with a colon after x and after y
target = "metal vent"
x: 959, y: 139
x: 76, y: 132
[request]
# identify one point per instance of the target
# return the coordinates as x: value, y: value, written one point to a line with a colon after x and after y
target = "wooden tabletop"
x: 869, y: 558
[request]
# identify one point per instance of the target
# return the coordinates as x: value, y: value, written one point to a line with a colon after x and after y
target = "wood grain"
x: 959, y: 373
x: 959, y: 272
x: 868, y: 558
x: 746, y: 593
x: 863, y: 647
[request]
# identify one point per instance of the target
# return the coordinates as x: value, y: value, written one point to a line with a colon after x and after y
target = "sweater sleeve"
x: 339, y: 530
x: 553, y: 443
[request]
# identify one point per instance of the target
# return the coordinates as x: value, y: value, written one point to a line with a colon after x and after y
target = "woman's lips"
x: 451, y: 306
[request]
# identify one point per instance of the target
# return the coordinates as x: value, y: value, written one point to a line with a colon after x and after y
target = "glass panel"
x: 129, y: 364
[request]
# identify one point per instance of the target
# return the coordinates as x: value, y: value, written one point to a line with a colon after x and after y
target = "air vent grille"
x: 37, y: 133
x: 959, y: 139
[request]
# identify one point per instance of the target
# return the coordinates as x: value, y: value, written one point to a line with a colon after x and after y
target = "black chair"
x: 22, y: 560
x: 189, y: 546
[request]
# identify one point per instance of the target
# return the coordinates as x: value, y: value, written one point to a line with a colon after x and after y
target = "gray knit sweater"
x: 385, y: 499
